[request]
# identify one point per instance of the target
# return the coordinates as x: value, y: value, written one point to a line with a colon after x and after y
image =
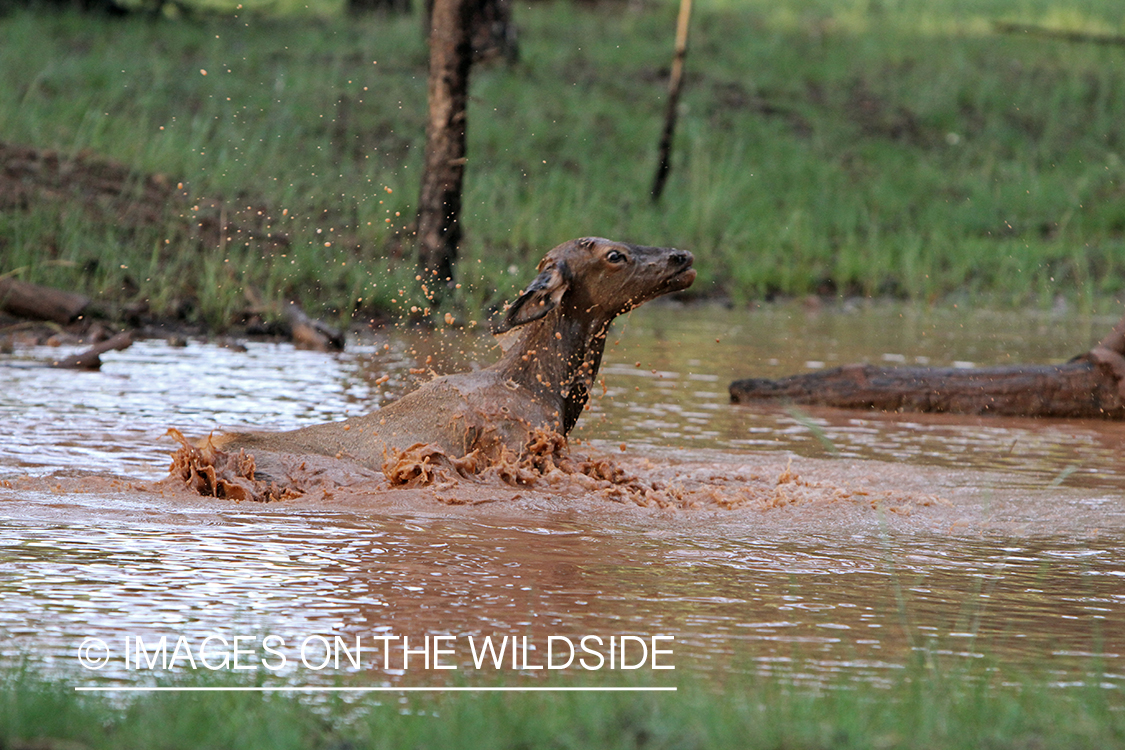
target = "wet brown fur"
x: 541, y: 381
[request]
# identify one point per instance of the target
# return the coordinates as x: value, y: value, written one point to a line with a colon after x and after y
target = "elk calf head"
x: 595, y: 279
x: 566, y: 311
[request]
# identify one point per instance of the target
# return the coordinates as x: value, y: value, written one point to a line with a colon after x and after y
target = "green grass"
x: 878, y: 147
x: 921, y: 708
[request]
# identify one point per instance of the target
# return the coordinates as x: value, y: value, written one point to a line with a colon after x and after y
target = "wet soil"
x: 107, y: 191
x: 30, y: 176
x: 110, y: 194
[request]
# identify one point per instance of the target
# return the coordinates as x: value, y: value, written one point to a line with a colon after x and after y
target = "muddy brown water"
x: 958, y: 537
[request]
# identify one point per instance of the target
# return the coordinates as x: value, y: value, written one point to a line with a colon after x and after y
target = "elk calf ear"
x: 541, y: 296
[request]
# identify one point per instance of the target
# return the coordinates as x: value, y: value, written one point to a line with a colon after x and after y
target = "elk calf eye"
x: 614, y: 256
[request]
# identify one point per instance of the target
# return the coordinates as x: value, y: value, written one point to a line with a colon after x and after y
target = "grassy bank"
x: 921, y: 710
x: 900, y: 148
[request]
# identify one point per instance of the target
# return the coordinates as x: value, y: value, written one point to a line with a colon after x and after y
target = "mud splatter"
x: 546, y: 467
x: 210, y: 471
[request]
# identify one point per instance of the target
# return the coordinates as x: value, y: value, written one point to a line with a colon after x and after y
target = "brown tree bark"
x: 439, y: 202
x: 1092, y: 385
x: 493, y: 33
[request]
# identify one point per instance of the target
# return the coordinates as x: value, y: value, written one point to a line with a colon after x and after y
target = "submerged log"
x: 91, y: 358
x: 309, y: 333
x: 1092, y: 385
x: 26, y: 300
x: 304, y: 331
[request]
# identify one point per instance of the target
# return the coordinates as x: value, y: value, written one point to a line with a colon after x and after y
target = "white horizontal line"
x: 314, y: 688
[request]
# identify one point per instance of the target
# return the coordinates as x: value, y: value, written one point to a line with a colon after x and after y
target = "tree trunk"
x: 439, y: 202
x: 493, y: 33
x: 1091, y: 385
x: 675, y: 85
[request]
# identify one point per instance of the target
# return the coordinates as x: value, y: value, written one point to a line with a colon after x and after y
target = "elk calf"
x: 542, y: 380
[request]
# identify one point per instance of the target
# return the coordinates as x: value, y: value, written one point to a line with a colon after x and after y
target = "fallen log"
x: 1091, y: 385
x: 26, y: 300
x: 1065, y: 35
x: 91, y: 358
